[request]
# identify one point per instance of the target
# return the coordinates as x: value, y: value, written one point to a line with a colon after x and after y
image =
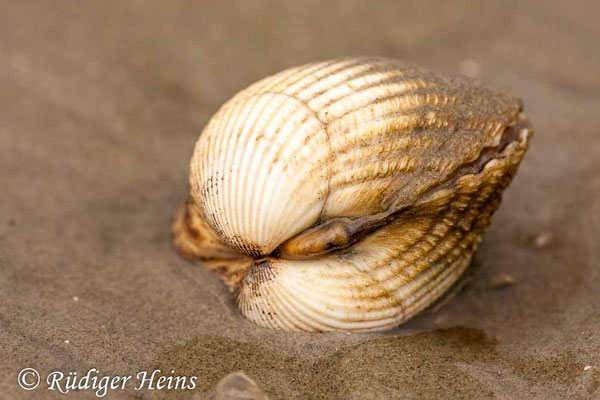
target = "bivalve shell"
x: 349, y: 194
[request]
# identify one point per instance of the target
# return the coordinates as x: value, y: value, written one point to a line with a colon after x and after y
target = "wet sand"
x: 100, y: 105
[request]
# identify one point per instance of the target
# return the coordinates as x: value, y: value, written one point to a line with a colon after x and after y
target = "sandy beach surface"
x: 100, y: 105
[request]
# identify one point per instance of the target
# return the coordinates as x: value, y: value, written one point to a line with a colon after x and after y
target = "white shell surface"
x: 259, y: 174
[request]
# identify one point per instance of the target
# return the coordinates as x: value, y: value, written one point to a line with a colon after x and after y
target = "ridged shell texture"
x: 410, y: 165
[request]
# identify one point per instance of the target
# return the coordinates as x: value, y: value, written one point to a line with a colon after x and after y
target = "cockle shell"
x: 348, y: 194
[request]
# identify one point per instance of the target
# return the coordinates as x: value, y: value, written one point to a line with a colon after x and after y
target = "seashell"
x: 348, y: 194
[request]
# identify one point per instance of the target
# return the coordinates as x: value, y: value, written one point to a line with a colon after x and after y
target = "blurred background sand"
x: 100, y: 105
